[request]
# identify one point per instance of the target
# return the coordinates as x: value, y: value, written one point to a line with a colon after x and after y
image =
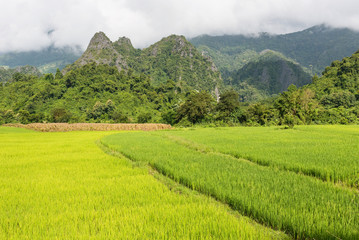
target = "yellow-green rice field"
x: 63, y: 186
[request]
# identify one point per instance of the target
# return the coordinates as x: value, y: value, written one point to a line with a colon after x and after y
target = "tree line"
x: 99, y: 93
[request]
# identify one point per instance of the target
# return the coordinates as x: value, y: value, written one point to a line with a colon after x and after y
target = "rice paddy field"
x: 62, y: 185
x: 330, y: 152
x: 301, y: 181
x: 205, y: 183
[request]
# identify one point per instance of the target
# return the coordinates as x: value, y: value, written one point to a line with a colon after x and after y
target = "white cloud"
x: 24, y: 24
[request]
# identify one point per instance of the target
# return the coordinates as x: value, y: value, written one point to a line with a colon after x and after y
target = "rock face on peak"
x: 172, y: 58
x: 99, y: 41
x: 101, y: 51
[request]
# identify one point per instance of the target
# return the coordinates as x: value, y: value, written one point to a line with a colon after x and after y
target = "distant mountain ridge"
x: 237, y: 59
x: 171, y: 59
x: 46, y: 60
x: 313, y: 48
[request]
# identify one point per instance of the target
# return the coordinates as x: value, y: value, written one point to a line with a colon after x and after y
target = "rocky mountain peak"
x: 124, y: 46
x: 99, y: 41
x: 124, y: 41
x: 101, y: 51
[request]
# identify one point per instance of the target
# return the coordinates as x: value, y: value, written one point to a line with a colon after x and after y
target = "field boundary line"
x: 208, y: 150
x: 178, y: 187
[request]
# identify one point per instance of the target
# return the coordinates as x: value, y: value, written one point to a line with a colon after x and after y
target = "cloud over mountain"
x: 31, y: 25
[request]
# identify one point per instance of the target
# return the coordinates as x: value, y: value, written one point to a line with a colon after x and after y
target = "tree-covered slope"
x: 172, y: 58
x: 93, y: 92
x: 339, y: 85
x: 175, y: 58
x: 271, y: 72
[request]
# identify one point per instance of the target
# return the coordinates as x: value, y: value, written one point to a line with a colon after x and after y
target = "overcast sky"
x: 25, y: 24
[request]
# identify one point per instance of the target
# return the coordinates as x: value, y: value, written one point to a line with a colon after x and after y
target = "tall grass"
x: 301, y: 205
x: 330, y: 153
x: 62, y: 186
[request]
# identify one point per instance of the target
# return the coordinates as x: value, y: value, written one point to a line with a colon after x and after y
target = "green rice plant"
x: 304, y: 206
x: 326, y: 152
x: 62, y: 186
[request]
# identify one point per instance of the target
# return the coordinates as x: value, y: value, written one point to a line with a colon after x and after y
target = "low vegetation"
x: 302, y: 205
x: 62, y: 186
x: 326, y: 152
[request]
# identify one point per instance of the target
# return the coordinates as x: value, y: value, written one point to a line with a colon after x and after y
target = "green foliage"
x: 197, y: 107
x: 144, y: 117
x: 91, y: 93
x: 60, y: 115
x: 272, y: 73
x: 228, y: 103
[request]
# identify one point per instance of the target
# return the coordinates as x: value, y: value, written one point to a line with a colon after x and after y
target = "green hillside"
x: 313, y: 48
x: 89, y: 93
x: 172, y: 58
x: 271, y: 73
x: 171, y: 82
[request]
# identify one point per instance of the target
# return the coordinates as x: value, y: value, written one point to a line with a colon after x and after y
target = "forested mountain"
x: 7, y: 73
x: 313, y: 48
x: 239, y: 59
x: 332, y: 98
x: 270, y: 73
x: 46, y: 60
x: 113, y: 82
x: 172, y: 58
x: 172, y: 82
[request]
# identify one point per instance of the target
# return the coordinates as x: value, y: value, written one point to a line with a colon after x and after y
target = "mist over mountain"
x: 46, y: 60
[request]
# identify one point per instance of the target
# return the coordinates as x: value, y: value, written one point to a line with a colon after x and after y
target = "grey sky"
x: 24, y: 24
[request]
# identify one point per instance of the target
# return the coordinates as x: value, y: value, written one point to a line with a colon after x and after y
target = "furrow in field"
x: 325, y: 152
x: 205, y: 149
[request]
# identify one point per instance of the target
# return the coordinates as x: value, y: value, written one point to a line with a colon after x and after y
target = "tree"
x: 228, y: 103
x: 144, y: 117
x: 60, y: 115
x: 197, y: 107
x: 58, y: 74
